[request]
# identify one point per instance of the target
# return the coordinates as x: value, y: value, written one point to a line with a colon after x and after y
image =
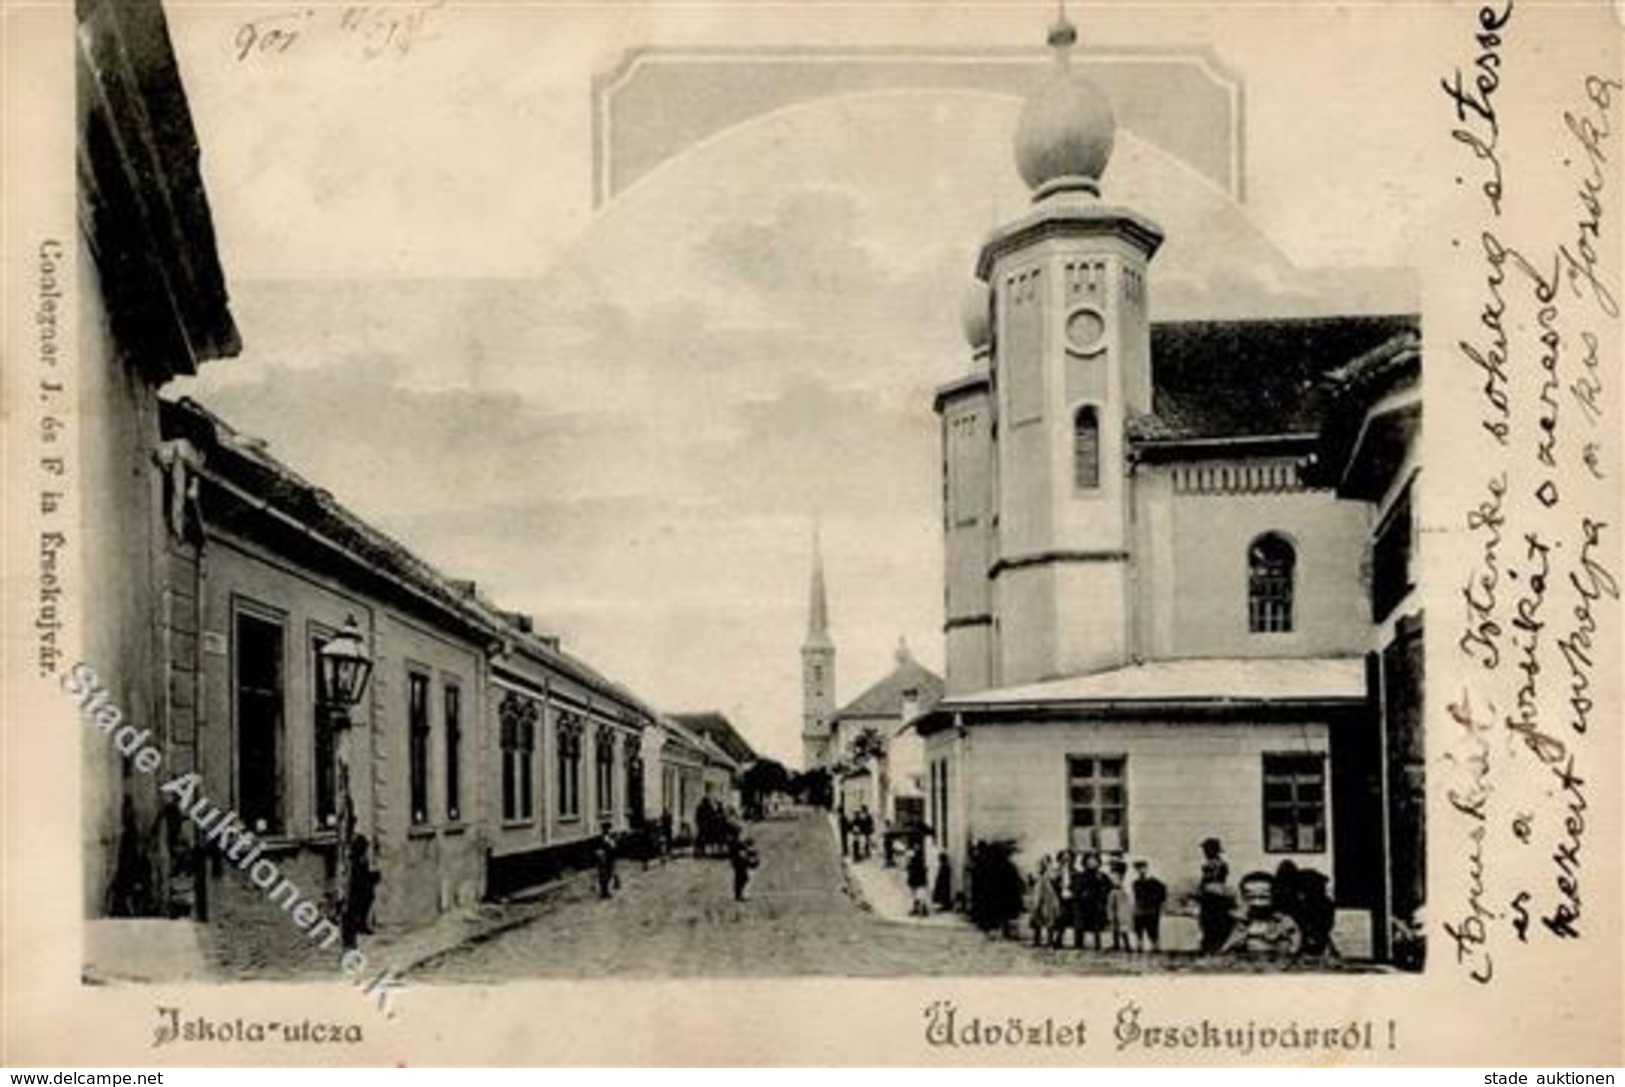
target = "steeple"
x: 818, y: 603
x: 817, y: 666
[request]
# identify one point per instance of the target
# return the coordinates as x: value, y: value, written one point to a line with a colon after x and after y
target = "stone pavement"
x: 884, y: 892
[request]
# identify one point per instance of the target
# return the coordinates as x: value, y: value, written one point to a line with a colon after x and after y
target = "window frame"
x: 1095, y: 462
x: 568, y: 729
x: 1295, y: 804
x: 451, y: 718
x: 517, y: 715
x: 419, y: 743
x: 1272, y: 590
x: 277, y: 818
x: 1097, y: 782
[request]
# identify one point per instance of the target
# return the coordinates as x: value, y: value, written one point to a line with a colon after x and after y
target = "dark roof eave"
x: 944, y: 715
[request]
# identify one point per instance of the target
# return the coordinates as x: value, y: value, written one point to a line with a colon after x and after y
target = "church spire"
x: 818, y: 603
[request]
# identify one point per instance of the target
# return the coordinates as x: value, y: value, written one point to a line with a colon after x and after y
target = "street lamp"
x: 342, y: 670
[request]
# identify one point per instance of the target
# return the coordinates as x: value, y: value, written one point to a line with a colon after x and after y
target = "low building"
x: 481, y: 757
x: 880, y: 761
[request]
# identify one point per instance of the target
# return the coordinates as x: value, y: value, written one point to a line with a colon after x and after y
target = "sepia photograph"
x: 929, y: 500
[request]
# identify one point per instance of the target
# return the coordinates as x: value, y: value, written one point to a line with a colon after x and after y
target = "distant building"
x: 817, y: 670
x: 879, y: 761
x: 1157, y: 622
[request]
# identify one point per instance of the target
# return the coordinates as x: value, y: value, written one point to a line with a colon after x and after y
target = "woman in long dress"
x: 1046, y: 915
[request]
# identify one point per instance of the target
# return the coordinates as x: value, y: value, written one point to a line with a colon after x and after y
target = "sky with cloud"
x: 625, y: 421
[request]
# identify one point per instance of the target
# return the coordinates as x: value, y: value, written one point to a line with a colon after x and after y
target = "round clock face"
x: 1084, y: 330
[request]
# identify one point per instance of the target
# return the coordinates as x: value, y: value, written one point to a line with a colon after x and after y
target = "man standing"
x: 742, y: 856
x: 604, y: 854
x: 1150, y: 894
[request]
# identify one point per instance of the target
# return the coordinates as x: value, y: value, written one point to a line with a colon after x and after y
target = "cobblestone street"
x: 680, y: 920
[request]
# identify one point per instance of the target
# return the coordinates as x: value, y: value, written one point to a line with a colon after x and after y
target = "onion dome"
x: 974, y: 316
x: 1064, y: 138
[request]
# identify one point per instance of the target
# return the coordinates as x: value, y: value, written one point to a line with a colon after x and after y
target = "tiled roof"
x: 720, y: 731
x: 247, y: 463
x: 885, y: 697
x: 1229, y: 379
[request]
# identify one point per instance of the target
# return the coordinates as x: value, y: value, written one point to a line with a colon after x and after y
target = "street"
x: 680, y: 920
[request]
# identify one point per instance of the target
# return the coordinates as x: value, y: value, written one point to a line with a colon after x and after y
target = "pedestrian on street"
x: 1046, y: 915
x: 846, y: 834
x: 1119, y: 907
x: 742, y: 856
x: 1090, y: 890
x: 918, y: 877
x: 359, y: 894
x: 1215, y: 904
x: 943, y: 892
x: 1149, y: 895
x: 665, y: 833
x: 604, y: 854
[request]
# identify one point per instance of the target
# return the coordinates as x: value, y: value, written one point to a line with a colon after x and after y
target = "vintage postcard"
x: 812, y: 534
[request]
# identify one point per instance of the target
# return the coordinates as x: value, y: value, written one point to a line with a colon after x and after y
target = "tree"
x: 762, y: 779
x: 868, y: 744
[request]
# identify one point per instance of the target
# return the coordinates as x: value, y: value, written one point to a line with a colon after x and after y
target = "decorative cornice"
x: 1090, y: 220
x: 1044, y: 558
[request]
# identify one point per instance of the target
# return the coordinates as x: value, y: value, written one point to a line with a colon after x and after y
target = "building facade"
x: 1156, y: 622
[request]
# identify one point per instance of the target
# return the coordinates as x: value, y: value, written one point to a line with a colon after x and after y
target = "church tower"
x: 817, y: 669
x: 1070, y: 365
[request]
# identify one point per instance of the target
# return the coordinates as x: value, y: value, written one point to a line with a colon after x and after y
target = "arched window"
x: 1271, y: 565
x: 1086, y: 449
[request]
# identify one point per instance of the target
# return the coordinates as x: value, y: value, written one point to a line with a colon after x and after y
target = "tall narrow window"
x: 569, y: 766
x: 325, y: 746
x: 1295, y: 803
x: 1086, y: 449
x: 417, y: 719
x: 454, y: 752
x: 259, y: 722
x: 605, y: 785
x: 1097, y: 793
x: 517, y: 715
x: 634, y: 780
x: 1271, y: 566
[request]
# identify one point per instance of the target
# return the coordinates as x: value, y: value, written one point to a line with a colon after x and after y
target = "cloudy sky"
x: 625, y: 419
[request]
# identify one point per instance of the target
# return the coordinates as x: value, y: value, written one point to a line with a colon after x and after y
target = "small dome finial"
x: 1062, y: 34
x: 1065, y: 133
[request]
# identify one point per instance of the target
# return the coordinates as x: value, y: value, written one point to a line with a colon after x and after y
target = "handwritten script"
x: 1538, y: 597
x: 368, y: 30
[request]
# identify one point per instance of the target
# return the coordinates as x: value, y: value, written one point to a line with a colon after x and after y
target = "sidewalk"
x: 884, y: 891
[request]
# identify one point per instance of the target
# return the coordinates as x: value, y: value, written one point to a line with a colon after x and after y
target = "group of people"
x: 1075, y: 892
x: 1092, y: 899
x: 923, y: 892
x: 858, y: 833
x: 718, y: 827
